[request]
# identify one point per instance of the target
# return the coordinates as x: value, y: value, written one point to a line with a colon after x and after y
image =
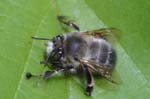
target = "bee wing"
x: 102, y: 69
x: 105, y: 33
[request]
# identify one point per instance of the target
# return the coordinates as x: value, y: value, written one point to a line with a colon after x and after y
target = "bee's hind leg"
x: 70, y: 23
x: 90, y: 81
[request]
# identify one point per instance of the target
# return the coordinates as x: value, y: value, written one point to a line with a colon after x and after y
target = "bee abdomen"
x: 103, y: 52
x: 111, y: 58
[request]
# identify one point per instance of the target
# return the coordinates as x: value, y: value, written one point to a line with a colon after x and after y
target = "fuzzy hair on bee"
x: 89, y: 50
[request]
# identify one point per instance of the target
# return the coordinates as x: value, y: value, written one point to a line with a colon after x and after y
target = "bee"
x: 89, y: 51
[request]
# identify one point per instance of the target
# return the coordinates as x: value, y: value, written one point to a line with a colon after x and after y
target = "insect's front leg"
x: 90, y: 81
x: 65, y: 21
x: 47, y: 74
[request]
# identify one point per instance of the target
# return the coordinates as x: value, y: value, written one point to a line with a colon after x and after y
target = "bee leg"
x: 64, y: 20
x: 108, y: 77
x: 29, y: 75
x: 90, y: 81
x: 45, y: 62
x: 49, y: 74
x: 46, y: 75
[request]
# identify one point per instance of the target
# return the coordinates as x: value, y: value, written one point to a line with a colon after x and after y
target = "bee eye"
x: 59, y: 37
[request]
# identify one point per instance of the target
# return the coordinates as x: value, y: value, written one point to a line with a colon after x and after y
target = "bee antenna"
x: 37, y: 38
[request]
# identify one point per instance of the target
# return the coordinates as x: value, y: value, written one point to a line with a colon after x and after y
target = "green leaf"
x: 21, y: 19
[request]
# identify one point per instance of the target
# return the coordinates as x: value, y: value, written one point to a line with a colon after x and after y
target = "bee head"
x: 58, y: 40
x: 54, y: 50
x: 56, y: 43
